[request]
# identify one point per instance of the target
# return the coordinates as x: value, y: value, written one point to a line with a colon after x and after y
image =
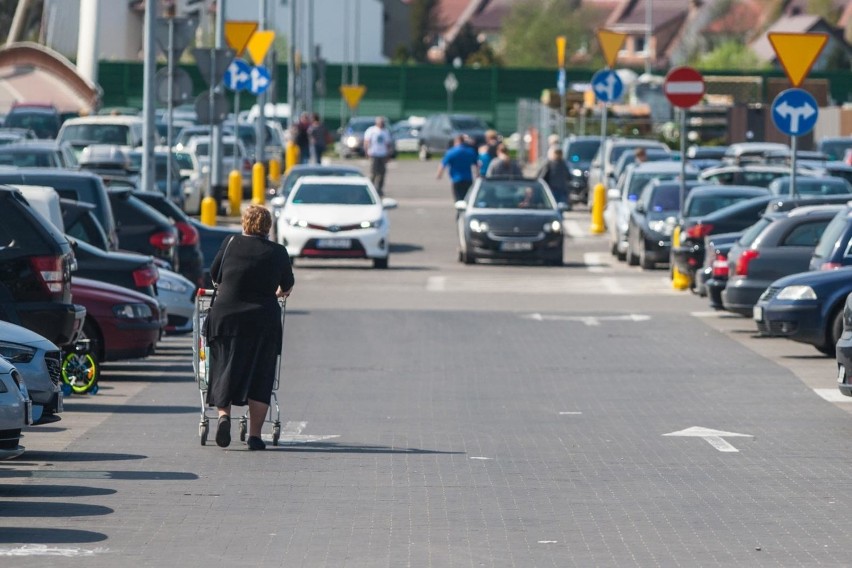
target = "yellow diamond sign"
x: 797, y: 52
x: 259, y: 44
x: 237, y: 34
x: 352, y: 94
x: 610, y: 43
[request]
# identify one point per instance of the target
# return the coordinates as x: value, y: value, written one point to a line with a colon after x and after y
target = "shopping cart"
x: 201, y: 367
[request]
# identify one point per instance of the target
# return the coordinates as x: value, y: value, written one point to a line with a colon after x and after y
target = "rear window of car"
x: 19, y: 236
x: 98, y: 133
x: 805, y: 235
x: 706, y: 204
x: 27, y: 159
x: 333, y: 194
x: 750, y: 235
x: 835, y: 229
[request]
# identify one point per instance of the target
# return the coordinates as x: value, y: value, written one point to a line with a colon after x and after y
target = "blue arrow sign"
x: 607, y: 85
x: 795, y: 112
x: 237, y: 75
x: 560, y: 82
x: 259, y: 80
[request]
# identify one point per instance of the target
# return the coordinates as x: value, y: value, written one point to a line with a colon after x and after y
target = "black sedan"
x: 510, y: 219
x: 142, y: 229
x: 778, y: 245
x: 806, y: 307
x: 578, y: 152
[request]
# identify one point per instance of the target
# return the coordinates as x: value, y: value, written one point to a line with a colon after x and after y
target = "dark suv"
x: 44, y: 119
x: 439, y: 130
x: 35, y: 273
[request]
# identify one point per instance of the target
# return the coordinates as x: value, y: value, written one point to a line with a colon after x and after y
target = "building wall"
x: 120, y: 37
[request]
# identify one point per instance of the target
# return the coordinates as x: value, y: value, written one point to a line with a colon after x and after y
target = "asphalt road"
x: 442, y: 415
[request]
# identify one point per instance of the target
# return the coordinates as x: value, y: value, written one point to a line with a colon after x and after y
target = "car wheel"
x: 423, y: 152
x: 832, y: 334
x: 93, y: 334
x: 613, y: 248
x: 381, y: 262
x: 643, y: 259
x: 467, y: 256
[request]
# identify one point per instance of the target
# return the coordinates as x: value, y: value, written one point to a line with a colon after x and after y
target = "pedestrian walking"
x: 504, y: 165
x: 318, y: 136
x: 377, y: 147
x: 243, y: 327
x: 303, y: 139
x: 556, y: 174
x: 461, y: 161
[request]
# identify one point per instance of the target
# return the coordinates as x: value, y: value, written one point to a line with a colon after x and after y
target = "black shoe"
x: 223, y: 432
x: 255, y: 443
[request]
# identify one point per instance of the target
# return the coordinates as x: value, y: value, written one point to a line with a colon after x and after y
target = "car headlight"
x: 371, y: 224
x: 478, y: 226
x: 172, y: 286
x: 797, y: 293
x: 132, y: 311
x: 577, y: 172
x: 16, y: 353
x: 662, y: 227
x: 554, y: 226
x: 352, y: 141
x: 296, y: 222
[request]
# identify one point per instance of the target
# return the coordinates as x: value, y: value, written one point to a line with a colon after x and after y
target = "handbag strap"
x: 222, y: 262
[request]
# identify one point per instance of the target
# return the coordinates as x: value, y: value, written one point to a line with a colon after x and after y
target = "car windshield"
x: 333, y: 194
x: 361, y: 125
x: 706, y: 204
x: 581, y: 150
x: 467, y: 123
x: 512, y: 195
x: 832, y: 233
x: 98, y: 133
x: 184, y: 160
x: 294, y: 176
x: 664, y: 198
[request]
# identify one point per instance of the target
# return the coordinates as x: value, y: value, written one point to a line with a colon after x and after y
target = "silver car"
x: 39, y: 363
x: 15, y: 410
x: 177, y: 294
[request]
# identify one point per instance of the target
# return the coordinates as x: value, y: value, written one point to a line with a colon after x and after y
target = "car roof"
x: 47, y: 173
x: 815, y: 209
x: 662, y: 166
x: 342, y: 180
x: 109, y: 119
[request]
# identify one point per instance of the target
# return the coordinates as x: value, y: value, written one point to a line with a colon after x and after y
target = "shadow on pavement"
x: 50, y: 491
x: 31, y: 535
x: 50, y: 509
x: 43, y: 456
x: 402, y: 248
x: 129, y: 408
x: 101, y: 474
x: 332, y: 448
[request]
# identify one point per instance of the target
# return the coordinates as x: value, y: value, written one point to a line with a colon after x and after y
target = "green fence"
x: 401, y: 91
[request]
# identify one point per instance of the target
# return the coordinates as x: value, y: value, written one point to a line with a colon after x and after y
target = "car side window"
x: 805, y: 235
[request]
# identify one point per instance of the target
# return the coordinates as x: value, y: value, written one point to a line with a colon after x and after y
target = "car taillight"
x: 247, y: 164
x: 188, y: 233
x: 831, y: 266
x: 162, y: 240
x: 744, y: 260
x: 699, y: 231
x: 50, y: 273
x: 720, y: 266
x: 146, y: 276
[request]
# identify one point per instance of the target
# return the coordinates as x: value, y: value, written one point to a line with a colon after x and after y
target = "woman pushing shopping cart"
x: 241, y: 324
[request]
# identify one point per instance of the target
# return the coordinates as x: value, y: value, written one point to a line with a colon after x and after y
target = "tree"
x: 730, y: 55
x: 422, y: 27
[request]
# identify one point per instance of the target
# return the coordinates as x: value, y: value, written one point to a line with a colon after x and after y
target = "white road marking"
x: 570, y: 412
x: 714, y: 437
x: 574, y: 229
x: 705, y: 314
x: 293, y: 428
x: 548, y: 541
x: 833, y: 395
x: 612, y: 285
x: 591, y: 321
x: 436, y: 283
x: 481, y: 458
x: 597, y: 262
x: 44, y: 550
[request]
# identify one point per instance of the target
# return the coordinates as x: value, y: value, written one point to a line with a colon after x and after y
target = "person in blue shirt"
x: 461, y: 160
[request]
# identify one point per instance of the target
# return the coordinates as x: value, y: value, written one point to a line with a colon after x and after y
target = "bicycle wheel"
x: 80, y: 371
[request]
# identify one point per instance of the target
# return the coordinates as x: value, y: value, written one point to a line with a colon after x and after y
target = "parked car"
x: 807, y: 186
x: 651, y: 155
x: 702, y: 201
x: 578, y: 152
x: 162, y: 157
x: 129, y: 270
x: 603, y: 164
x: 753, y: 175
x: 713, y: 278
x: 406, y: 136
x: 37, y: 154
x: 834, y: 169
x: 835, y: 147
x: 778, y: 245
x: 510, y: 219
x: 78, y: 186
x: 210, y: 239
x: 118, y: 130
x: 806, y: 307
x: 649, y: 230
x: 352, y: 136
x: 439, y: 130
x: 15, y: 410
x: 190, y: 258
x: 141, y: 229
x: 336, y: 217
x: 193, y: 183
x: 43, y: 119
x: 743, y: 152
x: 39, y: 362
x: 177, y: 295
x: 14, y: 135
x: 200, y: 146
x: 834, y: 249
x: 35, y: 273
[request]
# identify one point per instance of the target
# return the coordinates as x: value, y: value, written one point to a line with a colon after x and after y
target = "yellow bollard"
x: 258, y: 184
x: 598, y: 205
x: 291, y: 156
x: 208, y: 211
x: 275, y: 171
x: 680, y: 281
x: 235, y: 192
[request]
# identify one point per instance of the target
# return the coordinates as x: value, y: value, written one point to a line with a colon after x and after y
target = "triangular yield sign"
x: 797, y: 52
x: 611, y: 43
x: 258, y: 44
x: 238, y: 34
x: 352, y: 94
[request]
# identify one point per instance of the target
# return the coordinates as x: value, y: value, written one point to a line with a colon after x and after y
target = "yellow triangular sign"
x: 610, y: 43
x: 352, y: 94
x: 797, y: 52
x: 237, y: 35
x: 258, y: 44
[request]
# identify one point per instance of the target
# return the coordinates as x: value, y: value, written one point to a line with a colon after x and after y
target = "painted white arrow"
x: 795, y: 113
x: 590, y: 321
x: 715, y: 438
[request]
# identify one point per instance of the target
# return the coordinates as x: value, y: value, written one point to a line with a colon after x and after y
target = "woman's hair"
x: 257, y: 221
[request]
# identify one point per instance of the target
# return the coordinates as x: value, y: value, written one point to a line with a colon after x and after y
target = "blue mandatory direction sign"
x: 607, y: 85
x: 795, y: 112
x: 259, y: 80
x: 238, y: 75
x: 560, y: 82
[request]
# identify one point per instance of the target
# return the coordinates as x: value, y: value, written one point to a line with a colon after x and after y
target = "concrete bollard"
x: 680, y: 281
x: 258, y: 184
x: 598, y: 204
x: 275, y: 171
x: 235, y: 192
x: 291, y: 156
x: 208, y: 211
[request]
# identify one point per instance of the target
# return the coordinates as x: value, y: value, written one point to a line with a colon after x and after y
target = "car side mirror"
x: 613, y: 195
x: 278, y: 201
x: 389, y: 203
x: 461, y: 205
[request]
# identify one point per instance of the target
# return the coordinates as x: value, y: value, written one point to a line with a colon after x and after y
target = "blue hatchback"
x: 834, y: 249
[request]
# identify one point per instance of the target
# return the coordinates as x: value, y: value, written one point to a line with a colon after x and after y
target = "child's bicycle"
x: 80, y: 370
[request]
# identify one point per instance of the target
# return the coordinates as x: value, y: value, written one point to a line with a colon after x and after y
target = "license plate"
x: 515, y: 246
x: 28, y: 412
x: 334, y: 243
x: 757, y: 313
x: 841, y: 373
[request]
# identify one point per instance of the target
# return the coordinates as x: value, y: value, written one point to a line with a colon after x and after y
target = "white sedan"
x: 336, y: 217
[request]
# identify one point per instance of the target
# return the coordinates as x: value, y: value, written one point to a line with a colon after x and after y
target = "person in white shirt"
x: 377, y: 146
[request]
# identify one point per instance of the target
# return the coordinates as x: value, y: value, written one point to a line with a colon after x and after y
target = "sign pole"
x: 682, y: 158
x: 170, y: 106
x: 603, y: 135
x: 236, y: 165
x: 793, y: 144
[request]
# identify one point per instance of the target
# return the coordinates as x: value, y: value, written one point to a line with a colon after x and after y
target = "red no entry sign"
x: 684, y: 87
